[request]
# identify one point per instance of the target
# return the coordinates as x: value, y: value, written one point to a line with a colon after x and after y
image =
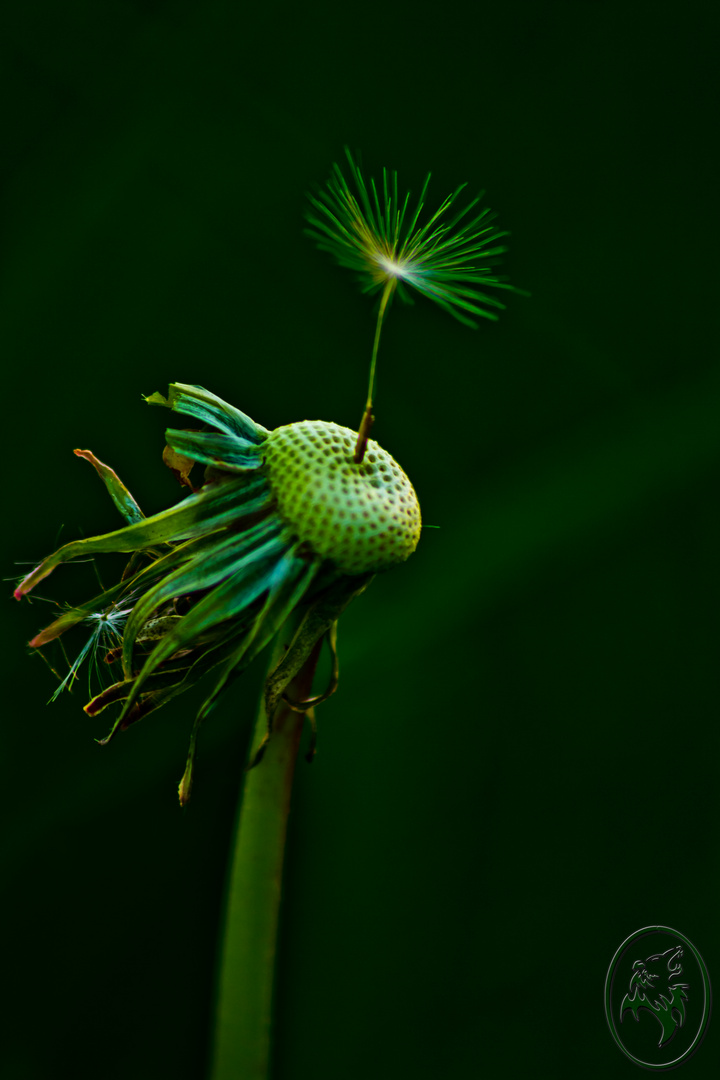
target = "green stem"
x: 247, y: 963
x: 387, y: 293
x: 368, y: 418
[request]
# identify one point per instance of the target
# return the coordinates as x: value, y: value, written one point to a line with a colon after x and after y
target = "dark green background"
x: 520, y: 768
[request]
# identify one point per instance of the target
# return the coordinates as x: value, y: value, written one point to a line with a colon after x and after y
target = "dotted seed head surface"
x: 364, y: 517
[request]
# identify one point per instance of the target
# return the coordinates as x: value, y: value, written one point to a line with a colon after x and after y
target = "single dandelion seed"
x: 376, y: 234
x: 106, y: 630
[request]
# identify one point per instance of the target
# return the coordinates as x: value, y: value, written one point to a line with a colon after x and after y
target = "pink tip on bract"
x: 23, y: 588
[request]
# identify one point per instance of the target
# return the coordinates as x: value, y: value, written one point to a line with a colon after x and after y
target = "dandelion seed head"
x: 282, y: 518
x: 365, y: 518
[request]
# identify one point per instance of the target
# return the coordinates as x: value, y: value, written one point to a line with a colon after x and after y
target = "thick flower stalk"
x: 282, y: 520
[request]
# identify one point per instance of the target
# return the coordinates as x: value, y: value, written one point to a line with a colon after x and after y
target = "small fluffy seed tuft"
x: 366, y: 517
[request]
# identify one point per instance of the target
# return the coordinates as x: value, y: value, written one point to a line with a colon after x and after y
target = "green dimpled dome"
x: 364, y: 517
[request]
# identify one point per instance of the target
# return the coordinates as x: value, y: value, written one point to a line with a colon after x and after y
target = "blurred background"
x: 520, y: 767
